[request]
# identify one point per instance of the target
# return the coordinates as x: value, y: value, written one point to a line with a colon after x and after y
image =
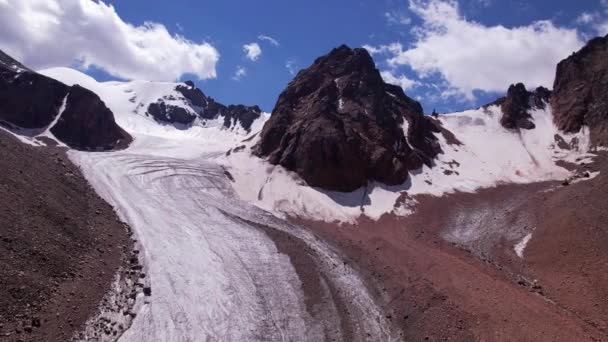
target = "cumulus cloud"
x: 85, y: 33
x: 252, y: 51
x: 471, y: 56
x: 401, y: 80
x: 239, y: 73
x: 269, y: 39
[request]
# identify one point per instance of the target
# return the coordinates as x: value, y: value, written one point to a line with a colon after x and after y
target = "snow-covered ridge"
x: 129, y: 101
x: 489, y: 155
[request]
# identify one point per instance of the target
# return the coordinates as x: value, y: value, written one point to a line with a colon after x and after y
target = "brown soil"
x: 61, y: 245
x: 449, y: 271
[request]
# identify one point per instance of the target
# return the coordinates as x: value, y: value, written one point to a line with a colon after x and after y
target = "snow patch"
x: 521, y: 245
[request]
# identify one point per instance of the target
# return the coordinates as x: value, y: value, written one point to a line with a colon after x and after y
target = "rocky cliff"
x: 192, y: 103
x: 580, y: 91
x: 87, y: 124
x: 338, y: 125
x: 33, y: 101
x: 518, y: 103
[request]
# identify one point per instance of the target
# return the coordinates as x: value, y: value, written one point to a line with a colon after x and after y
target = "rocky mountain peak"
x: 338, y: 125
x: 193, y: 104
x: 580, y: 96
x: 518, y: 102
x: 33, y: 101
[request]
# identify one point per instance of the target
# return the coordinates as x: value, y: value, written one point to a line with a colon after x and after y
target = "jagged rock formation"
x: 338, y: 125
x: 580, y: 91
x: 193, y: 104
x: 87, y: 124
x: 30, y: 100
x: 518, y: 102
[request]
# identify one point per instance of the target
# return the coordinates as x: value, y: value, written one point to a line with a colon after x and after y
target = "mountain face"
x: 86, y: 123
x: 518, y: 102
x: 33, y: 101
x: 338, y: 125
x: 579, y: 92
x: 193, y: 104
x: 28, y: 99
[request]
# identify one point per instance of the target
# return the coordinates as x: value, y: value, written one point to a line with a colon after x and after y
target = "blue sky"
x: 463, y: 34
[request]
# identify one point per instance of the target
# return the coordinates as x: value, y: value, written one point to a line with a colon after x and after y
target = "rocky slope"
x: 518, y: 103
x: 579, y: 91
x: 33, y: 102
x: 338, y: 125
x: 192, y: 103
x: 61, y: 245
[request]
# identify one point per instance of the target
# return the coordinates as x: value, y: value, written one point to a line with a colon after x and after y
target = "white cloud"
x: 396, y: 18
x: 470, y: 56
x: 291, y: 67
x: 269, y: 39
x: 239, y: 73
x: 49, y: 33
x: 401, y: 80
x: 252, y: 51
x: 586, y: 18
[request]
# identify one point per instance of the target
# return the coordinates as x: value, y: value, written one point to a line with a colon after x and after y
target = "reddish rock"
x: 580, y: 91
x: 338, y: 125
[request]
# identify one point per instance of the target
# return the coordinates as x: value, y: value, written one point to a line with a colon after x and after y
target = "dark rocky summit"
x: 580, y: 91
x: 195, y: 104
x: 338, y: 125
x: 32, y: 101
x: 518, y: 102
x: 87, y: 124
x: 28, y: 99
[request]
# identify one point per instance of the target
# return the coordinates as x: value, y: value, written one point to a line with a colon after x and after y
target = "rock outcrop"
x: 338, y: 125
x: 33, y: 101
x: 518, y: 102
x: 87, y: 124
x: 580, y: 91
x: 192, y: 103
x: 28, y: 99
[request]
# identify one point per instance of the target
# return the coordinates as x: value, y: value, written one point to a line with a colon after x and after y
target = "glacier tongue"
x: 214, y: 274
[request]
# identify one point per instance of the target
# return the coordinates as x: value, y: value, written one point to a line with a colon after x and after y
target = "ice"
x: 521, y: 245
x: 214, y: 274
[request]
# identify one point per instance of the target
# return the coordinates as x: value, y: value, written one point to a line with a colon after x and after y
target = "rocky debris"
x: 33, y: 101
x: 338, y: 125
x: 87, y: 124
x: 194, y: 104
x: 61, y: 245
x: 580, y: 91
x: 518, y: 102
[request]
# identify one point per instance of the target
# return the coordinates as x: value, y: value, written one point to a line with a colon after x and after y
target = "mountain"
x: 579, y: 91
x: 339, y: 125
x: 33, y: 104
x: 518, y: 103
x: 345, y: 215
x: 160, y: 108
x: 193, y: 104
